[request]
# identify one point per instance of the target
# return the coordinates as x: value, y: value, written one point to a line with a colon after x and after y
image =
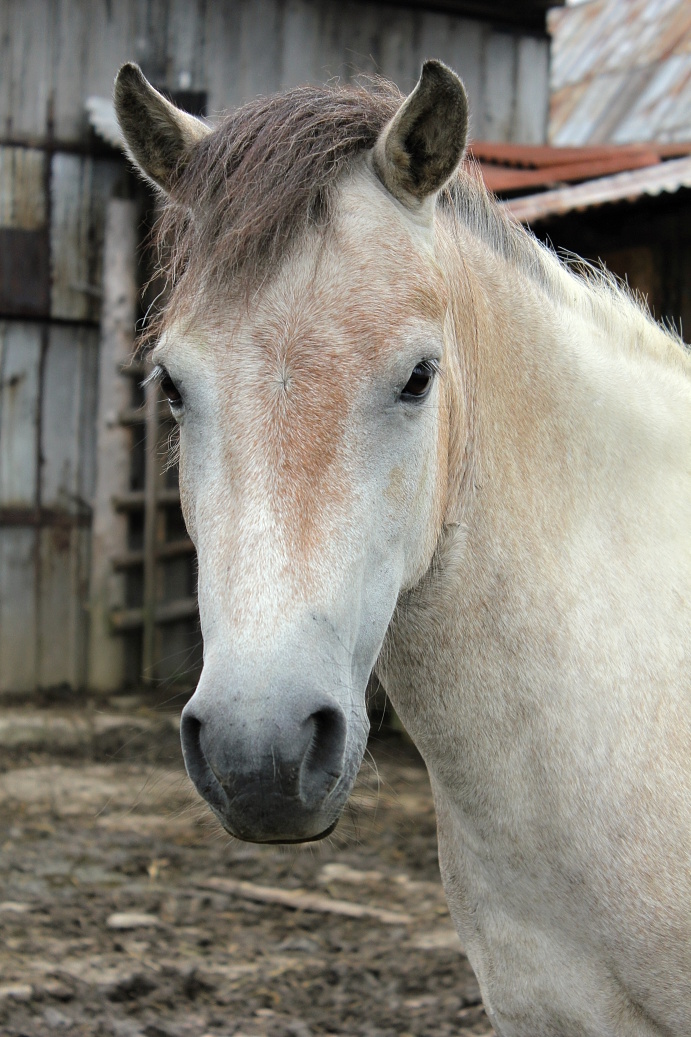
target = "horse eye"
x: 170, y: 390
x: 419, y: 383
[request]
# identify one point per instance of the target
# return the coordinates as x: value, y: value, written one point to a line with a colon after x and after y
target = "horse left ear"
x: 159, y: 137
x: 419, y: 150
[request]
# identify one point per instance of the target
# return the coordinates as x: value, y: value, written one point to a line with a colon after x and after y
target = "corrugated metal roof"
x: 509, y: 168
x: 621, y: 72
x: 628, y: 186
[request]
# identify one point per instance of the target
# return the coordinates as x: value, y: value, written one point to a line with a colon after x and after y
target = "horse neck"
x: 559, y: 392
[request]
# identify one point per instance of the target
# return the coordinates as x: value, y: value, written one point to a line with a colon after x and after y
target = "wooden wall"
x: 47, y: 414
x: 56, y: 53
x: 56, y: 178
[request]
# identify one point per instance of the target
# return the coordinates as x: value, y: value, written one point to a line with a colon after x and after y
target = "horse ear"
x: 158, y: 136
x: 418, y: 151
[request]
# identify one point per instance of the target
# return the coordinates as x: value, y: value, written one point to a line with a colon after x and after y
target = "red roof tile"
x: 508, y: 168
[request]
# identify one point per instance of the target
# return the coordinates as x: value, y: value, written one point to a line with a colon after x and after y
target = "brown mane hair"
x: 259, y: 180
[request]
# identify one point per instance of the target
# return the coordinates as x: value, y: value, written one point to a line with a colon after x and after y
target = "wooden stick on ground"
x: 301, y: 900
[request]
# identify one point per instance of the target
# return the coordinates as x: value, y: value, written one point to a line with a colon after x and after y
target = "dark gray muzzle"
x: 277, y: 774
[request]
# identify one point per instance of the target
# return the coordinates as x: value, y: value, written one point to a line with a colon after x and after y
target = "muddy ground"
x: 110, y: 925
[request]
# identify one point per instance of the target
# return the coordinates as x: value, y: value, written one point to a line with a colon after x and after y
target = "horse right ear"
x: 419, y: 150
x: 159, y: 137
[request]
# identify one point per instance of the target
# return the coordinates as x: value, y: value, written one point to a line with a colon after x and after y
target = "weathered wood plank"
x: 259, y: 31
x: 400, y: 49
x: 110, y: 41
x: 109, y: 528
x: 27, y: 65
x: 185, y: 28
x: 350, y: 39
x: 240, y: 48
x: 18, y: 670
x: 499, y: 86
x: 301, y: 44
x: 461, y: 44
x: 61, y: 612
x: 68, y: 419
x: 22, y: 188
x: 24, y: 273
x: 80, y: 186
x: 89, y: 341
x: 75, y: 23
x: 19, y: 412
x: 532, y: 91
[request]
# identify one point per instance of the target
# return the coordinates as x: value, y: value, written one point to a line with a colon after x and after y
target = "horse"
x: 413, y: 441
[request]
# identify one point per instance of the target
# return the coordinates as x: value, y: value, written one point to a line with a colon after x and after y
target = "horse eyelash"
x: 155, y: 376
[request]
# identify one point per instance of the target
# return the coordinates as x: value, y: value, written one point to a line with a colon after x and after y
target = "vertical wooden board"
x: 62, y: 607
x: 260, y: 31
x: 59, y: 420
x: 186, y: 32
x: 19, y: 413
x: 532, y: 91
x: 73, y: 29
x: 88, y: 413
x: 57, y: 609
x: 221, y: 55
x: 81, y: 576
x: 400, y: 47
x: 151, y: 39
x: 111, y: 43
x: 301, y: 44
x: 460, y: 44
x: 352, y: 39
x: 22, y: 188
x: 17, y: 609
x: 499, y: 86
x: 27, y: 68
x: 68, y: 420
x: 24, y: 261
x: 80, y: 186
x: 6, y: 59
x: 70, y: 191
x: 109, y: 528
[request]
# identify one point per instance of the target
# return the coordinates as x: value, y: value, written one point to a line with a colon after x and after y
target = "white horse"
x: 412, y: 441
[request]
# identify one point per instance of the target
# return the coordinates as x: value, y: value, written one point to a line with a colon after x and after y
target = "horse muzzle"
x: 280, y: 775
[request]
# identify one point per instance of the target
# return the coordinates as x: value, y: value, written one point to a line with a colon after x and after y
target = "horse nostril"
x: 322, y: 763
x: 190, y: 736
x: 197, y: 765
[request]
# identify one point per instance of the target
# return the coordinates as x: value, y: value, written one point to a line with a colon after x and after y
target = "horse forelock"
x: 260, y: 180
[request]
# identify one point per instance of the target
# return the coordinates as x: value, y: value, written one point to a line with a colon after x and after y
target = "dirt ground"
x: 114, y: 922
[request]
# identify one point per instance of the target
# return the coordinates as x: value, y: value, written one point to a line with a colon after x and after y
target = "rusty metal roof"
x: 628, y: 186
x: 621, y: 72
x: 512, y: 168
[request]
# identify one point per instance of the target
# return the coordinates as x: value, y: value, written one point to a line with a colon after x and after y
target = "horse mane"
x: 269, y: 171
x: 567, y: 279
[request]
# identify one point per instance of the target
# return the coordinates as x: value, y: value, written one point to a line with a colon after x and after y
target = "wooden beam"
x: 109, y: 532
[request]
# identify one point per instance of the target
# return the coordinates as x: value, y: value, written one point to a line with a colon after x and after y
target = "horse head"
x: 304, y: 356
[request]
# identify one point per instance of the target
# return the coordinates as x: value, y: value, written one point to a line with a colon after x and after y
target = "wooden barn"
x: 97, y: 579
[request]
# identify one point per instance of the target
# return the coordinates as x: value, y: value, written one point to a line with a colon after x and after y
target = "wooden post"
x: 152, y: 469
x: 109, y: 528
